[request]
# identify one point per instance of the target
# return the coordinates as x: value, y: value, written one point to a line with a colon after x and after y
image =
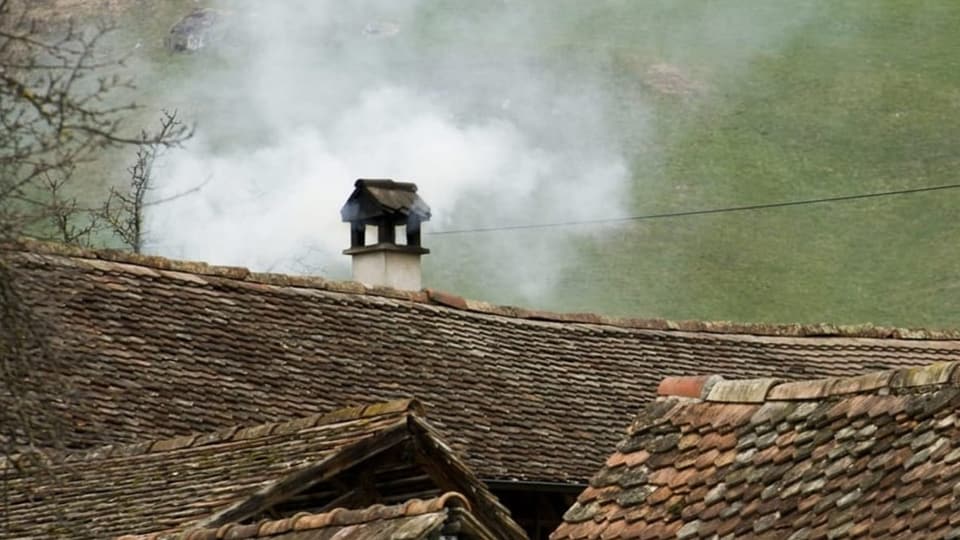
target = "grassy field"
x: 770, y: 101
x: 860, y: 96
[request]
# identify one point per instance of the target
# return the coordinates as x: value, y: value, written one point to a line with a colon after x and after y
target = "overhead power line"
x: 702, y: 212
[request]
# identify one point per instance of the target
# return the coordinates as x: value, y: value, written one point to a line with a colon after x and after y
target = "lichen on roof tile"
x: 875, y: 456
x: 166, y: 486
x: 233, y: 347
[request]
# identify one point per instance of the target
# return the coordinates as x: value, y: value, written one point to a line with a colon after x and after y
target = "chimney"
x: 393, y: 212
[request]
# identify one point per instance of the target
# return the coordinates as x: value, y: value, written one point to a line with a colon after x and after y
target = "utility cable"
x: 703, y: 212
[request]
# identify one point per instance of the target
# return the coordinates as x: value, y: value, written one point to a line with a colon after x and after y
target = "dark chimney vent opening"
x: 385, y: 223
x: 389, y: 206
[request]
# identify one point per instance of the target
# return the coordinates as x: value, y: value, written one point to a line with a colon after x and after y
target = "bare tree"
x: 122, y: 213
x: 63, y: 104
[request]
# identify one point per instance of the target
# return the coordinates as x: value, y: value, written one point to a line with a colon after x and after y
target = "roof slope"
x: 159, y: 348
x: 226, y: 476
x: 876, y: 456
x: 413, y: 520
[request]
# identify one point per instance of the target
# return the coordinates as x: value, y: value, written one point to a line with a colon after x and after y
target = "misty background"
x: 299, y: 98
x: 513, y: 113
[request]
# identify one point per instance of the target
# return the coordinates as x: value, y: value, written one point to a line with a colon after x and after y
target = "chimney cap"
x: 373, y: 200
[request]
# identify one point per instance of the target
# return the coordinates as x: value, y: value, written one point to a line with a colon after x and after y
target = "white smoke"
x: 305, y: 97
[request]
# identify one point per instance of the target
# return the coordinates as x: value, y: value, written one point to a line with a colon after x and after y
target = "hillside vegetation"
x: 864, y: 96
x: 726, y: 104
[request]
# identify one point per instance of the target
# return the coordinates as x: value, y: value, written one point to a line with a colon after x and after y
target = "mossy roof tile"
x: 874, y: 457
x: 204, y: 347
x: 169, y: 486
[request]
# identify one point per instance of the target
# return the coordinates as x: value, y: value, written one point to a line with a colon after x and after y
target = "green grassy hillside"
x: 863, y: 96
x: 726, y: 104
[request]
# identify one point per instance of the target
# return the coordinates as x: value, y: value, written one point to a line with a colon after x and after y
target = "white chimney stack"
x: 385, y: 206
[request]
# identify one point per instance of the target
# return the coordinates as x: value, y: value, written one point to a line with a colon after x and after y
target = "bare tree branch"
x: 63, y: 103
x: 123, y: 211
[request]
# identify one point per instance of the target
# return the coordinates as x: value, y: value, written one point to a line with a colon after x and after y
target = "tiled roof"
x: 226, y: 476
x: 413, y: 520
x: 159, y: 348
x: 874, y: 456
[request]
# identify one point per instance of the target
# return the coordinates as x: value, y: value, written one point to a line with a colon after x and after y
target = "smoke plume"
x: 303, y: 97
x: 470, y: 100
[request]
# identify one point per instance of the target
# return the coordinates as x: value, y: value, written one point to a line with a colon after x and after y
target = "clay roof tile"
x: 833, y: 457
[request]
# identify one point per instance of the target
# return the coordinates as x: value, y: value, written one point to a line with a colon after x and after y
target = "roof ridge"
x: 303, y: 521
x: 435, y: 297
x: 399, y: 408
x: 714, y: 388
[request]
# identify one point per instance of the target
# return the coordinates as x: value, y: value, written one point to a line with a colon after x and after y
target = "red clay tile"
x: 691, y: 387
x: 836, y: 468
